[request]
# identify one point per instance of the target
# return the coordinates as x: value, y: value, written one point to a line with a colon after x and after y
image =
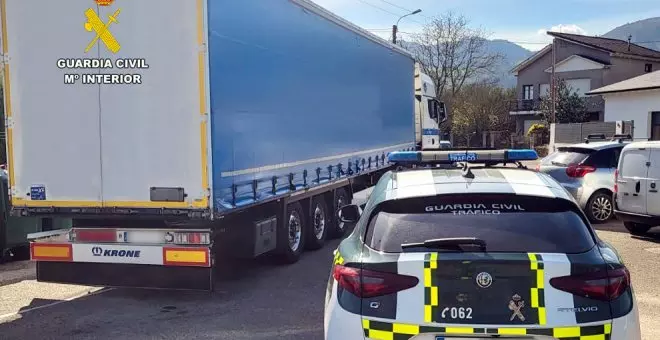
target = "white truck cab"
x: 429, y: 112
x: 637, y: 186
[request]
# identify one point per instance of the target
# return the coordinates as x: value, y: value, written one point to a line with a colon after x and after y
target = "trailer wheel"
x: 318, y: 224
x: 293, y: 233
x: 341, y: 199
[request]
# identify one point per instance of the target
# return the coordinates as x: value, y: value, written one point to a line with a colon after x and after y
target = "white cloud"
x: 536, y: 40
x: 566, y: 28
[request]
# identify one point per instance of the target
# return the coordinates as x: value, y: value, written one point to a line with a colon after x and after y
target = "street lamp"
x: 395, y: 28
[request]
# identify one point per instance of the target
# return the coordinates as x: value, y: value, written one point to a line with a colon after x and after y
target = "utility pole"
x: 553, y: 83
x: 395, y: 28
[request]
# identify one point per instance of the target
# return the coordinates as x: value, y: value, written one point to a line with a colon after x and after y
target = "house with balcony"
x: 584, y: 63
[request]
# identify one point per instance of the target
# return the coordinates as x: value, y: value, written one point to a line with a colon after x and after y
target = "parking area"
x: 253, y: 300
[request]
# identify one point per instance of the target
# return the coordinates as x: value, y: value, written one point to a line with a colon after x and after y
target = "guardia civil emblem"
x: 516, y: 305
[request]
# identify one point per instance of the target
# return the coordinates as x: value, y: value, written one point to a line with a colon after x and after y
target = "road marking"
x: 88, y: 293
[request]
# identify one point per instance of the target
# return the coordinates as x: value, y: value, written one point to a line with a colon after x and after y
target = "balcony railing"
x: 525, y: 105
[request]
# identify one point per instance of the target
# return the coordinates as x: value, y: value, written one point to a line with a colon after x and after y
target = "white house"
x: 636, y: 99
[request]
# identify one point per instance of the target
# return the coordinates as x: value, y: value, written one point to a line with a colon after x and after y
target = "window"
x: 607, y: 158
x: 528, y: 92
x: 436, y: 110
x: 544, y: 90
x: 632, y: 163
x: 579, y: 86
x: 567, y: 156
x: 648, y: 67
x: 655, y: 125
x: 536, y: 224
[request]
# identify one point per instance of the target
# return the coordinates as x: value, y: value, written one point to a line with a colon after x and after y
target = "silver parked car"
x: 586, y: 171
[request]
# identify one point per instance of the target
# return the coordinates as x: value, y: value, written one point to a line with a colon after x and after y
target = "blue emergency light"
x: 466, y: 156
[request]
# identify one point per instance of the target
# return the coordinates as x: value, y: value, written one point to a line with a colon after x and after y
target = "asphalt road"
x: 254, y: 300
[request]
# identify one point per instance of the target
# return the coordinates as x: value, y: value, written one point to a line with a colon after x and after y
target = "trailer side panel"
x: 292, y: 90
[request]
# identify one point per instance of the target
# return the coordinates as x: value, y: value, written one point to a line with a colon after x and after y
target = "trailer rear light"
x: 95, y: 235
x: 195, y: 257
x: 578, y: 170
x: 603, y: 285
x: 51, y: 252
x: 616, y: 181
x: 189, y: 237
x: 365, y: 283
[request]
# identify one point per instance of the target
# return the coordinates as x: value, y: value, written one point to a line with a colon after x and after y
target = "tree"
x: 569, y: 106
x: 481, y: 107
x: 453, y: 54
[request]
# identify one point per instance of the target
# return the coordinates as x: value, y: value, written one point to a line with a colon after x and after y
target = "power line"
x: 403, y: 8
x: 386, y: 11
x: 377, y: 7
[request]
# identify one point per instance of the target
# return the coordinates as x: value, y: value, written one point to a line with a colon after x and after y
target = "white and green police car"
x: 478, y: 252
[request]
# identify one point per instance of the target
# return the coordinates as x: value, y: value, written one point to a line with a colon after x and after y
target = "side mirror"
x: 349, y: 213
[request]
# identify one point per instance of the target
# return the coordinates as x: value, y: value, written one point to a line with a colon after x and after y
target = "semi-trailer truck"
x: 174, y: 132
x: 429, y: 112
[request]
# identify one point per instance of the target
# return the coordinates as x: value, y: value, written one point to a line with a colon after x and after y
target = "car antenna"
x: 466, y: 171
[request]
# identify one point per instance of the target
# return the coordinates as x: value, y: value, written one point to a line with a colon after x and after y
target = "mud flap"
x: 126, y: 275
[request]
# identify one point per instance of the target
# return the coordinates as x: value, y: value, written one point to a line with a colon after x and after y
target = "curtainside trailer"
x: 171, y: 132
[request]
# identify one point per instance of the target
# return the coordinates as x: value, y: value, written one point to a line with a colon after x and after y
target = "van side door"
x: 632, y: 180
x: 653, y: 184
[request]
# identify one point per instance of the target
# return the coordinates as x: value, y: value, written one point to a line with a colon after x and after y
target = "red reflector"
x: 577, y: 171
x: 100, y: 235
x: 368, y: 283
x: 616, y: 180
x: 191, y: 238
x: 604, y: 285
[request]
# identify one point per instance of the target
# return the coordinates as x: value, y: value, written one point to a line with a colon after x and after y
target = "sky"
x: 524, y: 22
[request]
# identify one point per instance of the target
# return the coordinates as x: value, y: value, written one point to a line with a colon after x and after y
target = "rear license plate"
x: 463, y: 157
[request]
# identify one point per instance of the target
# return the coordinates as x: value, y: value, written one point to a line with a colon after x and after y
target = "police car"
x: 477, y: 252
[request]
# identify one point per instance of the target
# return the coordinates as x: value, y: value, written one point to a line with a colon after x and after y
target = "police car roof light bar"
x: 467, y: 156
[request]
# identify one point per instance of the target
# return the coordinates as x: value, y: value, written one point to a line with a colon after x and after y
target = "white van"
x: 637, y: 186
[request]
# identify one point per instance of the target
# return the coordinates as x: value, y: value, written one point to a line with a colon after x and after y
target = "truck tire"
x: 599, y: 208
x: 636, y: 228
x: 318, y: 224
x: 338, y: 229
x: 292, y: 236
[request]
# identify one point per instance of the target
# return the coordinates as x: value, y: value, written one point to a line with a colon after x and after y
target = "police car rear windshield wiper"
x: 448, y: 243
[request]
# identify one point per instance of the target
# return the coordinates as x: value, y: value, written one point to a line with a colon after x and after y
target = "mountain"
x: 644, y: 32
x: 511, y: 54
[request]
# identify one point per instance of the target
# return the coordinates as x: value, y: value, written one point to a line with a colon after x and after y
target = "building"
x: 636, y: 99
x: 584, y: 63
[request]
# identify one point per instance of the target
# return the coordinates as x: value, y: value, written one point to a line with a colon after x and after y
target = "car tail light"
x: 189, y: 238
x: 538, y: 167
x: 604, y: 285
x: 577, y: 170
x: 368, y: 283
x: 616, y: 181
x: 96, y: 235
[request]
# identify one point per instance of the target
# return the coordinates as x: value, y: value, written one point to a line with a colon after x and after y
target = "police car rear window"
x: 507, y: 223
